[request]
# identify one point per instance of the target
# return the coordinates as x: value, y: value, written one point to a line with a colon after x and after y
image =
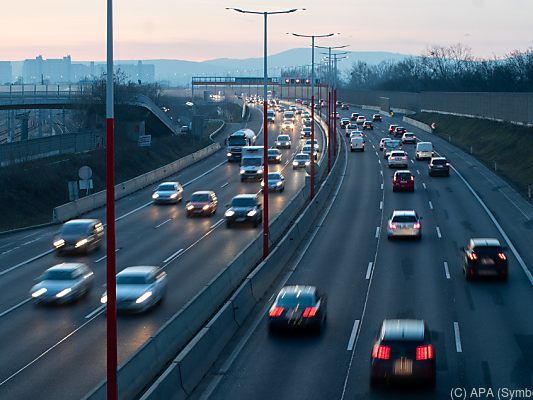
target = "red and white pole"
x: 265, y: 146
x: 329, y: 128
x: 111, y: 316
x: 334, y: 117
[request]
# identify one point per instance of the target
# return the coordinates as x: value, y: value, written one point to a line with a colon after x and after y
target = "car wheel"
x: 389, y: 237
x: 352, y: 150
x: 468, y: 273
x: 375, y: 381
x: 214, y: 211
x: 393, y: 189
x: 504, y: 275
x: 228, y: 224
x: 188, y: 215
x: 256, y: 223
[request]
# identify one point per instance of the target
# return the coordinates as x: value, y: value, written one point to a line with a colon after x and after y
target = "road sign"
x: 145, y: 140
x: 85, y: 172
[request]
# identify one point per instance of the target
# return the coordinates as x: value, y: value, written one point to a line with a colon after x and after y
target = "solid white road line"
x: 172, y: 256
x: 224, y: 185
x: 216, y: 223
x: 377, y: 231
x: 104, y: 257
x: 430, y: 205
x: 446, y: 270
x: 381, y: 205
x: 163, y: 223
x: 418, y: 172
x: 438, y: 232
x: 96, y: 311
x: 25, y: 262
x: 353, y: 335
x: 423, y: 184
x: 498, y: 226
x: 369, y: 270
x: 4, y: 313
x: 458, y: 345
x: 412, y: 162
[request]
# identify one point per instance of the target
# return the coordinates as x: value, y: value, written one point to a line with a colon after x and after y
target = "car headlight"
x: 242, y: 171
x: 278, y: 157
x: 39, y: 292
x: 59, y: 243
x: 262, y: 183
x: 155, y: 196
x: 260, y: 171
x: 173, y: 195
x: 279, y: 183
x: 81, y: 242
x: 63, y: 293
x: 103, y: 299
x: 143, y: 297
x: 190, y: 207
x: 230, y: 213
x: 307, y: 163
x: 206, y: 207
x: 229, y: 154
x: 295, y: 163
x: 251, y: 213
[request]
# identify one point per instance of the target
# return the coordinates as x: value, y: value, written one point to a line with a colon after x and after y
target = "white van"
x: 424, y: 150
x: 357, y: 143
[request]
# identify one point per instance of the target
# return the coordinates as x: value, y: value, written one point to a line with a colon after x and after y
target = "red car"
x: 403, y: 180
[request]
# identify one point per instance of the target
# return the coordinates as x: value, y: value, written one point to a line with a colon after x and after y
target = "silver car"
x: 139, y: 288
x: 301, y: 160
x: 276, y: 182
x: 398, y: 159
x: 63, y: 283
x: 404, y: 223
x: 308, y: 143
x: 283, y: 142
x: 168, y: 192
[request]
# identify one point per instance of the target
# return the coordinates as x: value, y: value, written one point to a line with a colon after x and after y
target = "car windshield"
x: 166, y: 188
x: 283, y: 137
x: 200, y: 197
x: 273, y: 152
x: 404, y: 218
x: 274, y: 176
x: 58, y: 275
x: 243, y: 202
x: 252, y: 162
x: 302, y: 157
x: 290, y: 300
x: 74, y: 228
x: 132, y: 279
x: 237, y: 141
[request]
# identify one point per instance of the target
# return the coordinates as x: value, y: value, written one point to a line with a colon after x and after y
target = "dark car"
x: 345, y: 106
x: 79, y: 235
x: 399, y: 131
x: 377, y: 118
x: 439, y: 166
x: 403, y: 352
x: 202, y: 203
x: 354, y: 116
x: 403, y: 180
x: 368, y: 125
x: 274, y: 156
x: 484, y: 257
x: 344, y: 122
x: 244, y: 208
x: 298, y: 307
x: 392, y: 129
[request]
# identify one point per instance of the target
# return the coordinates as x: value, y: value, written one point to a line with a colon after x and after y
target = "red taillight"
x: 381, y: 352
x: 392, y: 226
x: 275, y: 312
x: 310, y: 312
x: 412, y: 178
x: 416, y: 225
x: 472, y: 256
x: 501, y: 256
x: 395, y: 179
x: 424, y: 352
x: 404, y: 158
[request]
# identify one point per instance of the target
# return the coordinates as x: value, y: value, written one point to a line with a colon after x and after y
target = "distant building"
x: 52, y: 70
x: 6, y: 73
x: 138, y: 72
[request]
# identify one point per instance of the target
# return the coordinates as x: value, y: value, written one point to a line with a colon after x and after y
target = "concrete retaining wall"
x: 85, y: 204
x: 418, y: 124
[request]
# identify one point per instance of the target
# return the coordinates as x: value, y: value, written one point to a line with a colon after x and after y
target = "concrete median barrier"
x: 243, y: 301
x: 168, y: 386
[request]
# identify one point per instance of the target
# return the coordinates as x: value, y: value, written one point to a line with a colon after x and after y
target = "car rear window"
x: 487, y: 250
x: 404, y: 175
x: 243, y: 202
x: 404, y: 218
x: 439, y: 162
x: 292, y: 300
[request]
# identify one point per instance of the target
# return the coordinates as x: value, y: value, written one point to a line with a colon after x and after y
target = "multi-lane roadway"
x: 482, y: 330
x: 59, y: 352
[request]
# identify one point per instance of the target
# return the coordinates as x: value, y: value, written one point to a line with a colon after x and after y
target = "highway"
x: 59, y: 352
x: 482, y: 330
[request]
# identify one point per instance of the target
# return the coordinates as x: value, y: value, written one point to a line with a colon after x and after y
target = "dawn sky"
x: 203, y: 29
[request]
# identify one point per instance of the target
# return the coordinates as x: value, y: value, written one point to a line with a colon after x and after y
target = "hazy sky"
x: 203, y: 29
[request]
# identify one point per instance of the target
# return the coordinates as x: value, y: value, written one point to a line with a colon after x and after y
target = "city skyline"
x: 204, y: 30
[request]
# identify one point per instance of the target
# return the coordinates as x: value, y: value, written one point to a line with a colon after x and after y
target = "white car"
x: 382, y: 142
x: 301, y: 160
x: 351, y: 127
x: 409, y: 137
x: 168, y: 192
x: 360, y: 120
x: 276, y: 182
x: 424, y: 151
x: 139, y: 288
x: 63, y: 283
x: 357, y: 134
x: 305, y: 133
x: 404, y: 223
x: 283, y: 142
x: 357, y: 144
x: 307, y: 150
x: 308, y: 142
x: 398, y: 159
x: 286, y: 126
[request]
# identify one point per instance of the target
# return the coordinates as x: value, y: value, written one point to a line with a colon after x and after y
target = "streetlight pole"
x: 111, y: 315
x: 265, y: 15
x: 312, y: 191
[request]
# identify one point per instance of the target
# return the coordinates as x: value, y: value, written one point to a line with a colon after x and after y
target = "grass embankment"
x: 31, y: 190
x: 509, y: 145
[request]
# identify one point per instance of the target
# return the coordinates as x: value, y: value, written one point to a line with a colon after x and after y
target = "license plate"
x: 240, y: 219
x: 487, y: 261
x: 403, y: 367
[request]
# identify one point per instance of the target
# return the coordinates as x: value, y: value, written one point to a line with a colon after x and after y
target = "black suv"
x: 484, y: 257
x: 403, y: 352
x: 439, y: 166
x: 244, y: 208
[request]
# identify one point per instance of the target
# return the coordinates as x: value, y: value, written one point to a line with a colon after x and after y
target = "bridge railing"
x: 59, y: 90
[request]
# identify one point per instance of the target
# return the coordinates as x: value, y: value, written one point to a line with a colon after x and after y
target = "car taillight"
x: 472, y: 256
x: 501, y: 256
x: 392, y: 226
x: 424, y: 352
x: 381, y: 352
x: 416, y: 225
x: 275, y: 311
x: 412, y: 178
x: 310, y: 312
x: 404, y: 158
x: 394, y: 179
x: 447, y: 164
